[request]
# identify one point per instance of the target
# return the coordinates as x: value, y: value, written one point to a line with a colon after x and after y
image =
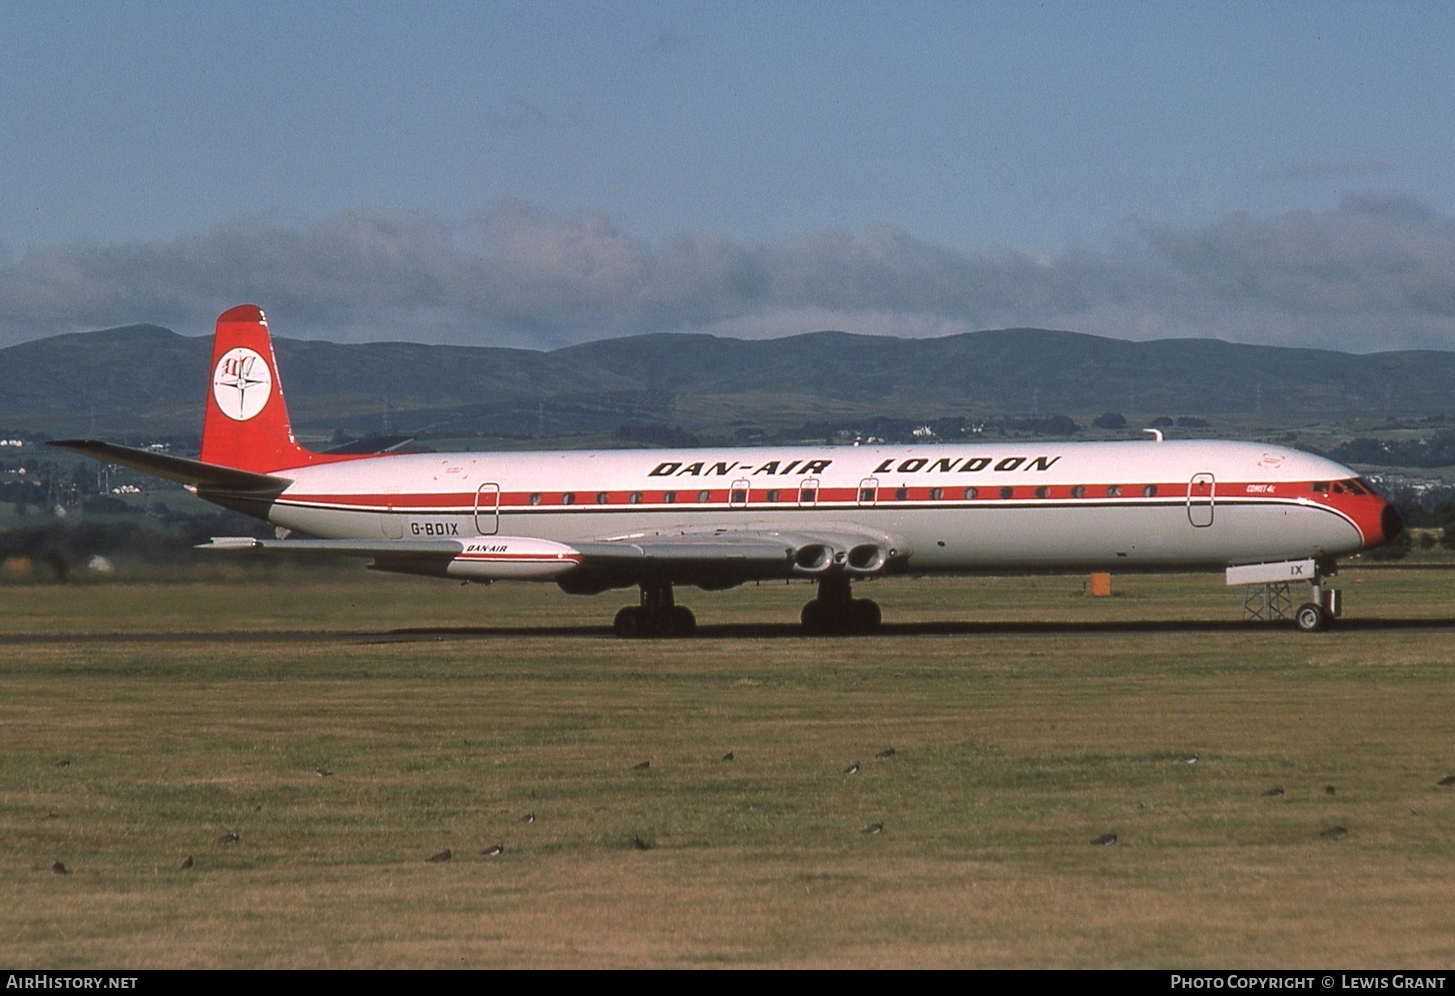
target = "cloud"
x: 1376, y: 272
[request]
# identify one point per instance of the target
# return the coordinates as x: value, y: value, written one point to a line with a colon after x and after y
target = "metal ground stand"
x: 1267, y: 602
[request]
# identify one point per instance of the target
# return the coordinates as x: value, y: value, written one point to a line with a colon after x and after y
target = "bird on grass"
x: 60, y: 869
x: 1330, y: 790
x: 494, y: 852
x: 1106, y: 839
x: 885, y: 754
x: 322, y: 772
x: 1335, y: 833
x: 51, y: 815
x: 852, y: 769
x: 642, y: 767
x: 728, y: 756
x: 64, y: 763
x: 527, y: 818
x: 1447, y: 780
x: 873, y: 828
x: 640, y: 844
x: 1274, y: 791
x: 441, y: 857
x: 1190, y: 759
x: 185, y: 864
x: 228, y: 838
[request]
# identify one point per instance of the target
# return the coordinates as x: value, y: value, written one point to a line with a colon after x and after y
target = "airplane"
x: 717, y: 518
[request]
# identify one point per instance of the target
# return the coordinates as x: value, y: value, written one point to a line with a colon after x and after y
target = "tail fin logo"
x: 241, y: 384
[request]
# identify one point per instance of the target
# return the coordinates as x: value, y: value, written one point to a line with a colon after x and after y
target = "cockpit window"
x: 1319, y: 487
x: 1354, y: 488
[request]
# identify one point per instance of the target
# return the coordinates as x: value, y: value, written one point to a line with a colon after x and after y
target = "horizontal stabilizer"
x: 194, y: 473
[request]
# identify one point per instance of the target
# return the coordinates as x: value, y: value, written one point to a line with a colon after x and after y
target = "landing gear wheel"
x: 675, y: 621
x: 864, y: 616
x: 628, y: 623
x: 812, y: 618
x: 1311, y: 618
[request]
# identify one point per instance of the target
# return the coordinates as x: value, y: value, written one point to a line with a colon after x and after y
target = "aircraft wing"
x: 712, y: 559
x: 724, y: 557
x: 193, y: 473
x: 742, y: 548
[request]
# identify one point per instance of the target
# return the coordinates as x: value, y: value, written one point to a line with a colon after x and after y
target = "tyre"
x: 628, y: 623
x: 686, y: 621
x: 673, y: 622
x: 864, y: 616
x: 813, y: 617
x: 1311, y: 618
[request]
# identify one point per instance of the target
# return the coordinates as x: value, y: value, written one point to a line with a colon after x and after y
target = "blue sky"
x: 543, y: 173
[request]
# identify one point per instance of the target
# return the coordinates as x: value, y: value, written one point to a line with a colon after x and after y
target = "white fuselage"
x: 1014, y: 505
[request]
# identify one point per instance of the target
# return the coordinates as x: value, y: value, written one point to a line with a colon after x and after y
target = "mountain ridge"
x: 145, y: 378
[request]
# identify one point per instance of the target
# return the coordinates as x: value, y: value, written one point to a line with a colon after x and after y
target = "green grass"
x: 1015, y: 747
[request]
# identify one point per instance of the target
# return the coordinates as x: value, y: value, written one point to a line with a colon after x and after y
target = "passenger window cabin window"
x: 669, y: 497
x: 1078, y: 492
x: 772, y: 495
x: 1007, y: 492
x: 900, y: 494
x: 807, y: 494
x: 1113, y: 490
x: 635, y: 498
x: 568, y: 499
x: 704, y: 496
x: 1150, y: 491
x: 866, y: 494
x: 740, y: 495
x: 535, y: 498
x: 1043, y: 492
x: 936, y: 494
x: 603, y: 497
x: 972, y: 493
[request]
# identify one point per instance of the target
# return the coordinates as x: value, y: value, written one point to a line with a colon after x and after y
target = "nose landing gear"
x: 1325, y: 605
x: 1266, y: 592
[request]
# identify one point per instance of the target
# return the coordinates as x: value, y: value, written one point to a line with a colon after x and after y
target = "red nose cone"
x: 1390, y: 524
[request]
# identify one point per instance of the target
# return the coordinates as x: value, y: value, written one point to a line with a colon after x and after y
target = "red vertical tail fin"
x: 246, y: 425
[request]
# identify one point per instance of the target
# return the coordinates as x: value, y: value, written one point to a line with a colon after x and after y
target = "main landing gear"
x: 657, y: 616
x: 835, y: 611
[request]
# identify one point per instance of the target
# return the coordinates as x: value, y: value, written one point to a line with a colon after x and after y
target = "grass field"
x: 1026, y: 721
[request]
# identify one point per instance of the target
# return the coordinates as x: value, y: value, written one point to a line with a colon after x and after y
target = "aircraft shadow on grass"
x: 787, y: 631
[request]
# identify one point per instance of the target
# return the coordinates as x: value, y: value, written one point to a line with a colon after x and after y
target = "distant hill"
x: 143, y: 379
